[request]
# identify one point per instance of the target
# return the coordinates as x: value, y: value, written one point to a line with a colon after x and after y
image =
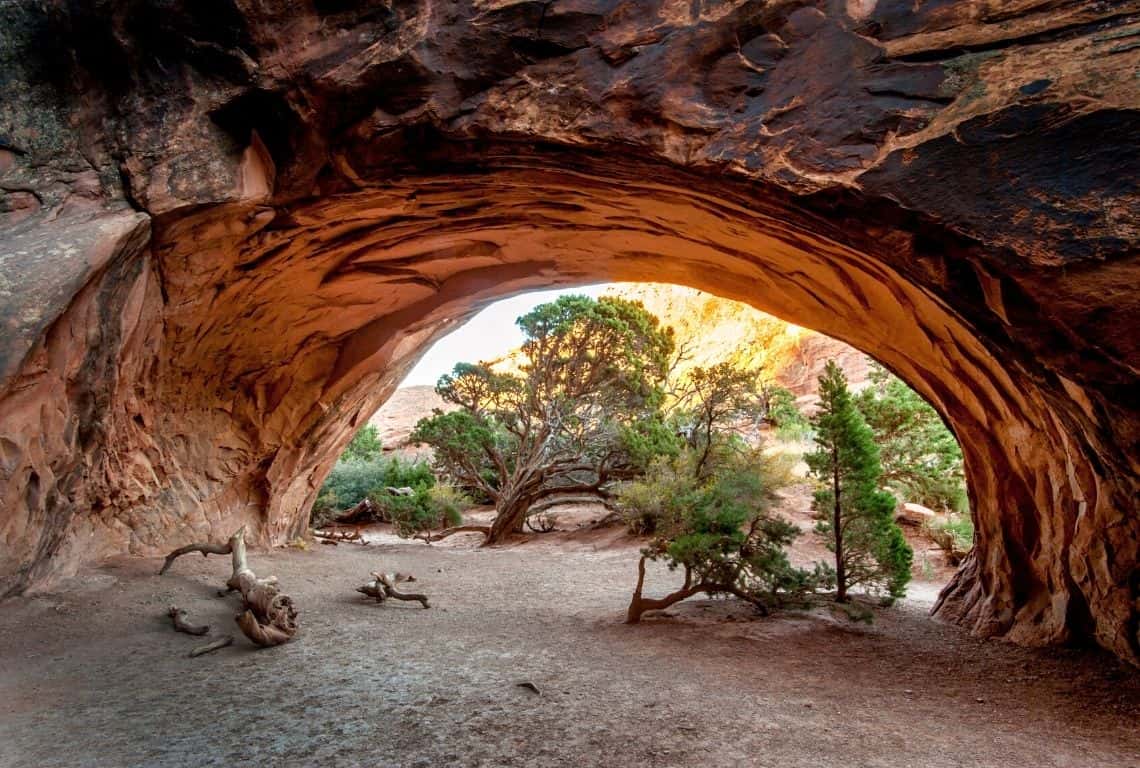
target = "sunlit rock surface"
x: 227, y: 230
x: 709, y: 330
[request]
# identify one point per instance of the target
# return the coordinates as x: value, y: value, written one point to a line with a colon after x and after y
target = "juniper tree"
x: 852, y: 509
x: 581, y: 413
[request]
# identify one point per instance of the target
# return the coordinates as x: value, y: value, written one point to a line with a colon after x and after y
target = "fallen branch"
x: 178, y: 616
x: 269, y: 617
x: 543, y: 522
x: 210, y: 647
x: 429, y: 538
x: 338, y: 535
x: 383, y: 586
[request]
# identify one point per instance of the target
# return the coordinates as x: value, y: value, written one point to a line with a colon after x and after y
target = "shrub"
x: 439, y: 506
x: 783, y: 413
x: 351, y: 482
x: 718, y: 530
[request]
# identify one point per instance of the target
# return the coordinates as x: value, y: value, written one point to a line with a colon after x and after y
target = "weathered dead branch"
x: 179, y: 616
x: 269, y: 617
x: 440, y: 536
x: 205, y: 549
x: 337, y: 535
x: 605, y: 521
x: 383, y: 587
x: 212, y: 646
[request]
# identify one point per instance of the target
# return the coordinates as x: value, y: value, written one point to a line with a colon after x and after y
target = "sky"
x: 490, y: 334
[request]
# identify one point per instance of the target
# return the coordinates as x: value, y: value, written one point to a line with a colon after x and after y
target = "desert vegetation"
x: 365, y: 486
x: 855, y: 514
x: 600, y: 404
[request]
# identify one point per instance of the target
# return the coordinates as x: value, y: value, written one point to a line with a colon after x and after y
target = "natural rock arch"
x: 226, y: 242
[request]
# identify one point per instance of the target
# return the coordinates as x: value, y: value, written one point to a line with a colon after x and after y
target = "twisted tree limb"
x: 429, y: 538
x: 269, y: 617
x: 205, y: 549
x: 383, y: 586
x: 179, y: 616
x: 639, y: 604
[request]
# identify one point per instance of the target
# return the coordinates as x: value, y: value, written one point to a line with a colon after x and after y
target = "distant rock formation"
x: 713, y: 330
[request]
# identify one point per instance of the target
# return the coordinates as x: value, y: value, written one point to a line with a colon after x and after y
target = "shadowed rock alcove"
x: 226, y: 240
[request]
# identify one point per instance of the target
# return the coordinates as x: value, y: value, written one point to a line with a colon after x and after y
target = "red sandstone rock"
x: 951, y: 187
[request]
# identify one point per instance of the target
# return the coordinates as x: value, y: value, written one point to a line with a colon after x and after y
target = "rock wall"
x: 711, y: 330
x: 228, y: 228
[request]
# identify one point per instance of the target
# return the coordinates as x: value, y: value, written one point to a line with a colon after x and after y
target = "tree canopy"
x: 581, y: 411
x: 920, y: 458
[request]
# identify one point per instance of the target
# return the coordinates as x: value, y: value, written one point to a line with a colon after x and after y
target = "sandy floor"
x: 95, y: 676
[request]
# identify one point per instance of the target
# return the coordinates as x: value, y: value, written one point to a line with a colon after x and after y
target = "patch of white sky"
x: 489, y: 335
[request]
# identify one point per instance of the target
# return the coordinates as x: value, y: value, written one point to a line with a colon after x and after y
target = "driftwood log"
x: 383, y: 587
x: 179, y: 618
x: 268, y: 617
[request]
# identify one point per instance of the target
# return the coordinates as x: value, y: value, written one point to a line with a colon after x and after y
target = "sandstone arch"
x: 226, y: 237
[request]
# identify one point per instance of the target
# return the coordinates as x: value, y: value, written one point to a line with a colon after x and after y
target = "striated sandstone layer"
x: 228, y: 228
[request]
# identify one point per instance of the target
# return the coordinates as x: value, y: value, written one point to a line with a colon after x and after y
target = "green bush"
x: 719, y: 530
x: 350, y: 482
x: 439, y: 506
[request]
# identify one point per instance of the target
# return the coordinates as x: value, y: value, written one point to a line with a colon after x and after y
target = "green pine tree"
x: 853, y: 510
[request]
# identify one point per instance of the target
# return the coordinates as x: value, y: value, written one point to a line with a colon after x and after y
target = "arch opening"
x: 256, y: 338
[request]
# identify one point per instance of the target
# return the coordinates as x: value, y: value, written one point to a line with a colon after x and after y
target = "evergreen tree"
x: 853, y: 510
x: 920, y: 458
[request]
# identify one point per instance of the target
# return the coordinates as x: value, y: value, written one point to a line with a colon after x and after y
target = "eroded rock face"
x: 229, y: 228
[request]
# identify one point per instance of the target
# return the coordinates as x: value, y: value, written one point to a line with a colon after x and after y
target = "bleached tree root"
x: 269, y: 617
x: 383, y: 587
x: 212, y: 646
x: 441, y: 535
x: 179, y: 618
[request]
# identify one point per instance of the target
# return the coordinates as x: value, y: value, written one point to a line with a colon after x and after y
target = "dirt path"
x: 95, y: 676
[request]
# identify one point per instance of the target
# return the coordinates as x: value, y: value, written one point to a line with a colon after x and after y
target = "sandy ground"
x: 94, y: 676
